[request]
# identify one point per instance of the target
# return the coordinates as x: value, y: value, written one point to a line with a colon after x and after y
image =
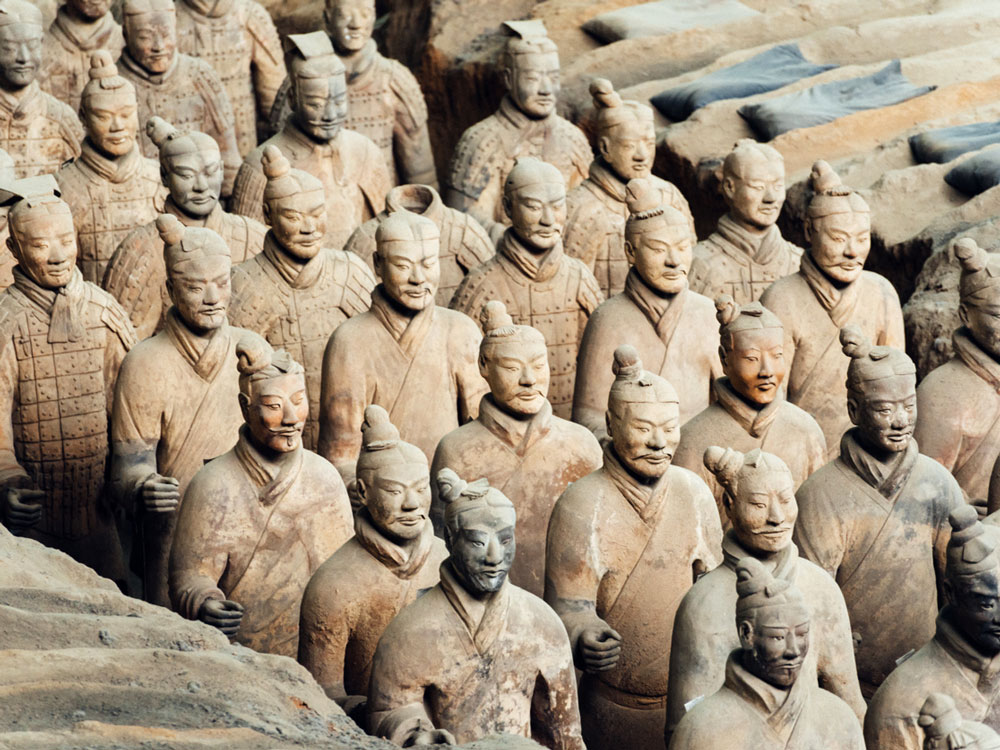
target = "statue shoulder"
x: 65, y: 118
x: 406, y: 90
x: 480, y: 149
x: 113, y: 315
x: 476, y: 247
x: 589, y: 294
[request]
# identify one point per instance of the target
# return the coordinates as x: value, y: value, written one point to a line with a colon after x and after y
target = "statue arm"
x: 894, y: 334
x: 197, y: 557
x: 325, y: 629
x: 135, y: 435
x: 819, y: 533
x: 594, y: 377
x: 411, y: 138
x: 12, y: 474
x: 471, y: 385
x: 248, y: 192
x: 837, y: 670
x: 555, y: 711
x: 938, y: 431
x: 396, y: 708
x: 267, y: 59
x: 342, y: 405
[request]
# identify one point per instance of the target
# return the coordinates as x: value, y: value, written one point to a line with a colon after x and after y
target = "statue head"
x: 752, y: 349
x: 198, y: 264
x: 972, y: 581
x: 643, y: 417
x: 534, y: 198
x: 945, y: 729
x: 190, y: 166
x: 626, y: 137
x: 658, y: 241
x: 514, y: 361
x: 759, y: 496
x: 349, y: 23
x: 838, y: 226
x: 478, y: 531
x: 979, y: 294
x: 392, y: 478
x: 42, y: 236
x: 273, y: 401
x: 319, y: 86
x: 772, y: 620
x: 150, y: 29
x: 406, y: 259
x: 529, y: 65
x: 108, y: 108
x: 881, y: 392
x: 87, y: 11
x: 21, y: 34
x: 294, y: 206
x: 753, y: 184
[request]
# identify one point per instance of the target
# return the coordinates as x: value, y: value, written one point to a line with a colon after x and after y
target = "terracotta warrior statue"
x: 944, y: 728
x: 597, y: 209
x: 768, y: 699
x: 391, y: 558
x: 414, y: 359
x: 62, y: 341
x: 963, y: 657
x: 750, y: 410
x: 746, y: 252
x: 464, y: 242
x: 759, y: 498
x: 298, y: 290
x: 876, y: 518
x: 627, y: 540
x: 526, y: 124
x: 476, y: 655
x: 830, y: 291
x: 259, y: 520
x: 176, y: 401
x: 7, y: 260
x: 181, y: 89
x: 672, y: 327
x: 36, y: 129
x: 315, y: 140
x: 540, y: 285
x: 191, y: 168
x: 80, y: 29
x: 516, y: 442
x: 111, y: 186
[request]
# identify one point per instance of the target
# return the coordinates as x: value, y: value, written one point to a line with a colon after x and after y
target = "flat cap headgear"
x: 314, y: 56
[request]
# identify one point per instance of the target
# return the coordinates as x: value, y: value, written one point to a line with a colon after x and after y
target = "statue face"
x: 840, y: 244
x: 277, y: 412
x: 410, y: 272
x: 764, y: 510
x: 199, y: 289
x: 533, y: 83
x: 151, y: 39
x: 756, y: 196
x: 983, y: 322
x: 756, y: 364
x: 887, y: 412
x: 112, y: 123
x: 482, y: 548
x: 321, y: 106
x: 350, y: 24
x: 194, y: 181
x: 538, y: 213
x: 629, y: 148
x: 399, y: 499
x: 45, y: 247
x: 975, y: 608
x: 299, y: 222
x: 663, y: 257
x: 518, y: 375
x: 776, y: 641
x: 20, y: 54
x: 89, y: 10
x: 645, y: 436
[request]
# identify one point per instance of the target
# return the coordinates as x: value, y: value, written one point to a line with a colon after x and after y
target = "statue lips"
x: 410, y: 520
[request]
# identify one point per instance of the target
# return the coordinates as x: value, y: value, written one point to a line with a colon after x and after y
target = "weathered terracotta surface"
x: 831, y: 290
x: 111, y: 186
x: 516, y: 442
x: 876, y: 517
x: 960, y: 660
x: 191, y: 168
x: 475, y: 655
x: 531, y: 274
x: 672, y: 327
x: 464, y: 242
x: 768, y: 699
x: 943, y: 726
x: 631, y: 536
x: 7, y: 260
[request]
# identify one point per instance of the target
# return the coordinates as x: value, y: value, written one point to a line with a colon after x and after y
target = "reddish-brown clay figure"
x: 464, y: 242
x: 625, y: 541
x: 111, y: 186
x: 526, y: 124
x: 315, y: 140
x: 746, y: 253
x: 392, y: 557
x: 62, y: 341
x: 476, y: 655
x: 768, y: 700
x: 750, y: 410
x: 832, y: 290
x: 7, y: 260
x: 80, y: 29
x: 259, y: 520
x: 191, y: 168
x: 672, y: 327
x: 36, y: 129
x: 945, y: 729
x: 759, y: 498
x: 598, y: 208
x: 176, y: 401
x: 516, y: 442
x: 298, y: 290
x: 181, y: 89
x: 540, y: 285
x: 876, y: 518
x: 959, y: 402
x: 963, y: 657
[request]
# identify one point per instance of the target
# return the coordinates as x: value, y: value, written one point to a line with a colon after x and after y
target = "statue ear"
x: 630, y: 252
x: 508, y: 206
x: 170, y: 287
x: 244, y: 405
x: 482, y: 365
x: 267, y: 213
x: 722, y: 356
x: 377, y: 264
x: 728, y: 188
x: 948, y: 588
x: 853, y: 407
x: 607, y: 424
x: 808, y: 230
x: 745, y: 630
x: 362, y: 489
x: 507, y: 76
x: 12, y: 246
x: 602, y: 147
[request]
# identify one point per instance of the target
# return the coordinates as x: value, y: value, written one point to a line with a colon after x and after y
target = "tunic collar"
x: 28, y: 103
x: 205, y: 354
x: 518, y: 435
x: 360, y: 63
x: 645, y: 499
x: 85, y: 36
x: 330, y: 150
x: 535, y: 267
x: 975, y: 358
x: 839, y: 302
x: 483, y: 630
x: 780, y: 709
x: 271, y: 477
x: 756, y: 421
x: 296, y: 275
x: 759, y: 248
x: 406, y: 330
x: 116, y: 170
x: 605, y: 178
x: 782, y: 564
x: 404, y: 561
x: 64, y: 306
x: 886, y: 477
x: 663, y: 311
x: 213, y: 221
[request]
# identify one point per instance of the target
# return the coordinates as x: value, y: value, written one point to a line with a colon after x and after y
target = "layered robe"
x: 423, y: 369
x: 449, y: 662
x: 750, y: 713
x: 531, y: 461
x: 736, y: 262
x: 881, y: 530
x: 352, y: 598
x: 596, y: 212
x: 67, y: 48
x: 677, y: 337
x: 549, y: 291
x: 813, y: 311
x: 137, y: 277
x: 38, y: 131
x: 626, y: 552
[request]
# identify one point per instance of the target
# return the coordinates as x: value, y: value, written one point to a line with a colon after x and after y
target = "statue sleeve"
x: 412, y: 142
x: 359, y: 287
x: 889, y: 728
x: 130, y: 279
x: 396, y: 691
x: 325, y: 628
x: 691, y: 651
x: 708, y: 552
x: 136, y: 416
x: 342, y: 404
x: 248, y: 192
x: 474, y: 179
x: 121, y: 339
x: 819, y: 532
x: 197, y: 557
x: 594, y: 375
x: 582, y: 236
x: 555, y: 711
x: 465, y: 360
x: 837, y: 671
x: 476, y: 247
x: 894, y: 334
x: 938, y: 431
x: 589, y: 296
x: 11, y: 472
x: 268, y: 59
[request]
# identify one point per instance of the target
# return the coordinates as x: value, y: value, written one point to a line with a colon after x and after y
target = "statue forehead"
x: 783, y: 615
x: 38, y: 223
x: 151, y: 19
x: 524, y: 346
x: 303, y: 200
x: 484, y: 517
x: 535, y: 59
x: 409, y: 249
x: 890, y: 388
x: 848, y: 220
x: 348, y: 5
x: 764, y: 479
x: 21, y: 31
x: 634, y: 128
x: 112, y: 100
x: 651, y: 411
x: 202, y: 154
x: 200, y: 266
x: 403, y: 472
x: 333, y: 84
x: 283, y: 384
x: 672, y: 231
x: 755, y: 338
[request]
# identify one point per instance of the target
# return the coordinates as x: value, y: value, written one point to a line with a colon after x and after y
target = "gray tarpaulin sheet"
x: 944, y: 144
x: 976, y: 174
x: 665, y: 17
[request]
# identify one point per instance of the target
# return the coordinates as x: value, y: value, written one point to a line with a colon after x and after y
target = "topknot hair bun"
x: 726, y: 309
x: 450, y: 485
x: 159, y: 130
x: 641, y: 196
x: 253, y: 353
x: 494, y: 316
x: 854, y: 342
x: 376, y: 430
x: 724, y: 463
x: 101, y: 65
x: 170, y: 228
x: 972, y: 257
x: 823, y: 179
x: 604, y: 94
x: 627, y: 365
x: 274, y: 163
x: 751, y: 577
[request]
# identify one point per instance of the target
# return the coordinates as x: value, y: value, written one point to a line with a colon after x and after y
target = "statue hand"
x: 431, y: 737
x: 599, y: 648
x: 22, y: 508
x: 160, y: 494
x: 222, y: 614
